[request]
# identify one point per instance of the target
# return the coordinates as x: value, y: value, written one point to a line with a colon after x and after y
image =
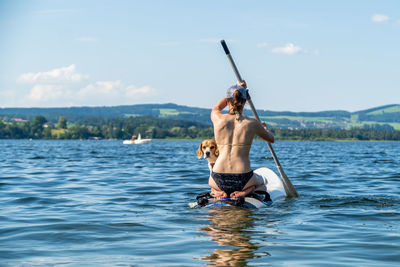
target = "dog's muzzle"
x: 207, y: 153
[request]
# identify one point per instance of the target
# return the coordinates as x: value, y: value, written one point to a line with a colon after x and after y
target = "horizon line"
x: 169, y: 103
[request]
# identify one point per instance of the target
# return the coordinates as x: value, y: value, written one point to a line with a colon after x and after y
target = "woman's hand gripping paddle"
x: 289, y: 188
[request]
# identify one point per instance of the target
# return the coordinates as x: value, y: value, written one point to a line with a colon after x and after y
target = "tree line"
x: 361, y: 134
x: 104, y: 128
x: 156, y: 128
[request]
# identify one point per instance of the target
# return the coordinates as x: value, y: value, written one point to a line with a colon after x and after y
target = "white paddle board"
x: 274, y: 188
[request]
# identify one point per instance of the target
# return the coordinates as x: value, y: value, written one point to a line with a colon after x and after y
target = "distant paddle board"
x: 274, y: 188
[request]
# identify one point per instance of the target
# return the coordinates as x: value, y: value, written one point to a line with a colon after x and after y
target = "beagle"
x: 209, y: 149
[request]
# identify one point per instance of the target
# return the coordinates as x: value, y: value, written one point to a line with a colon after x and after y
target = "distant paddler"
x: 136, y: 141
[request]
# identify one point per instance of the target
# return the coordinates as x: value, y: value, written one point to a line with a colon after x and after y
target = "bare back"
x: 234, y: 139
x: 234, y: 136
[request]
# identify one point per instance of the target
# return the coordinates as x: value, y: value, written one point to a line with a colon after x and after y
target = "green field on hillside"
x: 301, y: 118
x: 164, y: 112
x: 392, y: 109
x: 342, y: 123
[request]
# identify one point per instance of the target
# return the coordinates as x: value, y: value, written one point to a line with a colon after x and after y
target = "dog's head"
x: 209, y: 149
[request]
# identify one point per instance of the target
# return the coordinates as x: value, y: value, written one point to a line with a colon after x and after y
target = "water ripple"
x: 103, y: 203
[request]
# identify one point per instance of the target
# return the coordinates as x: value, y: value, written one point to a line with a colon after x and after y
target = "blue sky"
x: 294, y: 55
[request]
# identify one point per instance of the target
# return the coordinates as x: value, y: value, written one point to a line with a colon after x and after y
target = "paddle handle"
x: 289, y: 188
x: 228, y: 54
x: 239, y: 78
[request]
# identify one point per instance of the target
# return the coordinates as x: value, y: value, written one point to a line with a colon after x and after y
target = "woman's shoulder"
x: 251, y: 123
x: 249, y: 119
x: 218, y: 115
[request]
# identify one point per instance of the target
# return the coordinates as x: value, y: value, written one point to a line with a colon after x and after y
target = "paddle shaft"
x: 289, y: 188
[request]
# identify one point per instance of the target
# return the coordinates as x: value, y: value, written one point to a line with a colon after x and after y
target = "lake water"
x: 76, y: 203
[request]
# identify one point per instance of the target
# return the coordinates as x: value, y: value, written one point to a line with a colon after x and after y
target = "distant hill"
x: 74, y: 114
x: 384, y: 117
x: 389, y: 113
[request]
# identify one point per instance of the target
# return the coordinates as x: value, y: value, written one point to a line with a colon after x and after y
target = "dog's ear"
x: 216, y: 151
x: 200, y: 151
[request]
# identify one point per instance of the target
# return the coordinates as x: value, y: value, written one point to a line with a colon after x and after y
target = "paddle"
x: 289, y: 188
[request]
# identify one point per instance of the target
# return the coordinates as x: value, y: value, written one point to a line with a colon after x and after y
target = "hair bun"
x: 237, y: 103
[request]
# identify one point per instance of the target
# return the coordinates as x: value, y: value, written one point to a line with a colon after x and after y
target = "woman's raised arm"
x: 263, y: 132
x: 216, y: 111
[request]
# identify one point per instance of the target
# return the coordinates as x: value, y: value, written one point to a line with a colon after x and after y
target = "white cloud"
x: 379, y: 18
x: 107, y: 88
x: 288, y: 49
x: 64, y: 87
x: 113, y: 92
x: 45, y: 93
x: 105, y: 93
x: 137, y: 92
x: 60, y: 75
x: 86, y: 39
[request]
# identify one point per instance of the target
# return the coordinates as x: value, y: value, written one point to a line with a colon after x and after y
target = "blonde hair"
x: 237, y: 103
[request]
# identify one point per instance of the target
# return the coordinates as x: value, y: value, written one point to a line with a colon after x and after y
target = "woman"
x: 232, y: 175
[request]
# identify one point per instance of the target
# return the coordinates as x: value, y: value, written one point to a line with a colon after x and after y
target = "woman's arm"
x: 263, y: 132
x: 221, y: 104
x: 216, y: 111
